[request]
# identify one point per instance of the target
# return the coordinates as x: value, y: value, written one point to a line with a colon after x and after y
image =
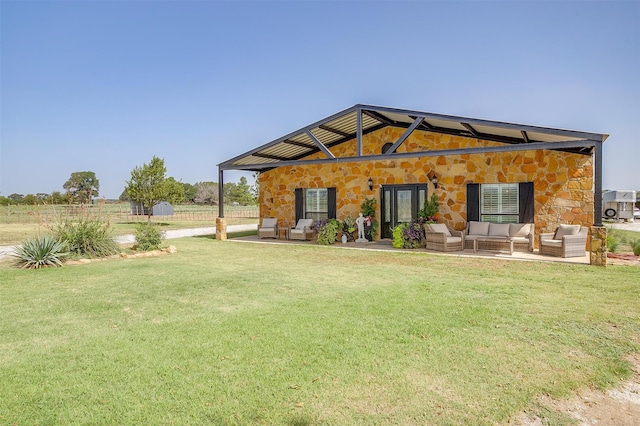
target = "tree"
x: 240, y: 193
x: 207, y: 193
x: 149, y: 186
x: 190, y: 192
x: 16, y: 198
x: 255, y: 189
x: 176, y: 189
x: 57, y: 198
x: 83, y: 186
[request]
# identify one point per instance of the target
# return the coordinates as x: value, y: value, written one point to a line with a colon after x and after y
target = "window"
x: 316, y: 204
x: 499, y: 203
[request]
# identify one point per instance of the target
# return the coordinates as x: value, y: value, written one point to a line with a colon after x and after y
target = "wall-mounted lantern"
x: 370, y: 183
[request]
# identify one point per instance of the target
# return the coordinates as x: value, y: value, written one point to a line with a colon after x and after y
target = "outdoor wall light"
x: 370, y: 183
x: 434, y: 181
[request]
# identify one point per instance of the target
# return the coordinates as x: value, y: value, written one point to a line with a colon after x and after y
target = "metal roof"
x: 354, y: 122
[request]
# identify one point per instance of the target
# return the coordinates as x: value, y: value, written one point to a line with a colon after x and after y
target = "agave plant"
x: 40, y: 252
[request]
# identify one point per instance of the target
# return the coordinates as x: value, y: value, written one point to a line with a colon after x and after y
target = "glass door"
x: 400, y: 204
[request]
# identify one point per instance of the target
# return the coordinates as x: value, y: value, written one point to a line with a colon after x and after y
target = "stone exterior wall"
x: 563, y: 182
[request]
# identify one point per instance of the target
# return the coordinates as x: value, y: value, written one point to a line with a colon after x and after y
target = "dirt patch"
x: 623, y: 259
x: 619, y: 407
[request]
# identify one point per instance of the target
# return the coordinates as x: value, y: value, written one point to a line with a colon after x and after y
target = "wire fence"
x: 121, y: 213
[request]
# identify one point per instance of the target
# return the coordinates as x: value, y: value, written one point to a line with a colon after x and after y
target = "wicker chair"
x: 269, y: 228
x: 567, y: 241
x: 302, y: 231
x: 440, y: 237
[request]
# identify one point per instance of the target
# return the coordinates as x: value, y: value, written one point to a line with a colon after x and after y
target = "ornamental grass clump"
x: 86, y: 236
x: 148, y: 236
x: 40, y: 252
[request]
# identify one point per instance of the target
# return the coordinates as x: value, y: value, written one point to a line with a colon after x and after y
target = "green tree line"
x: 83, y: 187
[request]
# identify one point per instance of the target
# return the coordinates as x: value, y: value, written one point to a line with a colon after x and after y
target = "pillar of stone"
x: 598, y: 245
x: 221, y: 228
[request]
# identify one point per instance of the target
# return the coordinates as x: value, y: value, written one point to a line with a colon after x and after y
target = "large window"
x: 499, y: 203
x: 316, y: 204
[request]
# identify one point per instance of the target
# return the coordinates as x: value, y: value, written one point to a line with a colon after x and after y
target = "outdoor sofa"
x: 567, y: 241
x: 498, y: 236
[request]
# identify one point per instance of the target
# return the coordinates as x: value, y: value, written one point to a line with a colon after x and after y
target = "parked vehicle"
x: 636, y: 213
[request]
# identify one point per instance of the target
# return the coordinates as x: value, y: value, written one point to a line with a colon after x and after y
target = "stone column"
x: 598, y: 245
x: 221, y: 229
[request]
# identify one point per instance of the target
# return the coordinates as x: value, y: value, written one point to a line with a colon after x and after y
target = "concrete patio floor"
x: 385, y: 245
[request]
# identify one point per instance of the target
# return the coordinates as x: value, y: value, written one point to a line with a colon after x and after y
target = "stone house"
x: 479, y: 169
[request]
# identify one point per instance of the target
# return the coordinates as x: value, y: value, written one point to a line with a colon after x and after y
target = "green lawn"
x: 240, y: 333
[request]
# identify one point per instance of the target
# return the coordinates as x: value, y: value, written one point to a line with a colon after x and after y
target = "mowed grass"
x: 241, y: 333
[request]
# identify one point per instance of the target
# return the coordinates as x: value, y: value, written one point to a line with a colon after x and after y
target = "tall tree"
x: 190, y: 192
x: 149, y: 186
x: 240, y: 193
x: 207, y: 193
x: 83, y: 186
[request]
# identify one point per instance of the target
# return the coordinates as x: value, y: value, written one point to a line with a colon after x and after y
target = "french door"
x: 400, y: 204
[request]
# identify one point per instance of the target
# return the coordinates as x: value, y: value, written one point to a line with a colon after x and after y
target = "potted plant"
x: 408, y: 235
x: 348, y: 228
x: 429, y: 213
x: 368, y: 209
x: 327, y: 231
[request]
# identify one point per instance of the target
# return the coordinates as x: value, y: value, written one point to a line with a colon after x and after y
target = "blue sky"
x: 104, y: 86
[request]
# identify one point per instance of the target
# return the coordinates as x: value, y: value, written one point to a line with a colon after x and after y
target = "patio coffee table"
x: 498, y: 243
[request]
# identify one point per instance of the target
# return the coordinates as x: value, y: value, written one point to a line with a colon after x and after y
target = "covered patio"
x: 385, y: 245
x: 398, y: 158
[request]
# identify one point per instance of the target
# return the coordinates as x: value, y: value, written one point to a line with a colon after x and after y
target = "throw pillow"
x: 498, y: 229
x: 440, y: 228
x: 566, y: 230
x: 478, y: 228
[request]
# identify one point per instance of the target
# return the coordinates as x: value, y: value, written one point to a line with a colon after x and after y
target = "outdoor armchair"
x: 440, y: 237
x: 567, y: 241
x: 269, y: 228
x: 302, y: 231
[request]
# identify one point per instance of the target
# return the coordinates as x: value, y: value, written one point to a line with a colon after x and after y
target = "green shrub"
x: 612, y: 243
x: 40, y: 252
x: 408, y: 235
x: 327, y: 231
x: 398, y: 236
x: 148, y: 236
x: 87, y: 236
x: 635, y: 246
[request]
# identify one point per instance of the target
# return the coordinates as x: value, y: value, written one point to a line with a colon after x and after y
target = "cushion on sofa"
x: 478, y: 228
x: 519, y: 229
x: 498, y: 229
x: 440, y: 228
x: 566, y: 230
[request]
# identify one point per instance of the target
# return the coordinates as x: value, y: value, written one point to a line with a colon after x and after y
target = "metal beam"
x: 379, y: 117
x: 442, y: 152
x: 220, y: 192
x: 270, y: 157
x: 320, y: 145
x: 470, y: 128
x: 336, y: 131
x: 404, y: 136
x: 296, y: 143
x: 597, y: 190
x: 359, y: 132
